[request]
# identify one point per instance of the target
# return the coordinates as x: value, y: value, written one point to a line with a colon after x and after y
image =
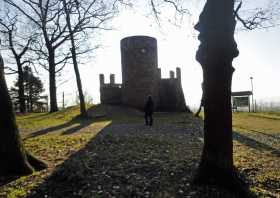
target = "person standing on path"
x: 149, y: 110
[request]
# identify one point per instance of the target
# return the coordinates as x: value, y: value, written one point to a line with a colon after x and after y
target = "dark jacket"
x: 149, y: 106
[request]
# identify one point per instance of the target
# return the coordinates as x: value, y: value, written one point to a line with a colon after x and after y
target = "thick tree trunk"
x: 217, y: 156
x: 14, y: 159
x: 215, y: 54
x: 52, y: 82
x: 75, y: 63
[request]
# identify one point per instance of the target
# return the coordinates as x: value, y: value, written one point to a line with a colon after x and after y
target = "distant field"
x: 268, y: 122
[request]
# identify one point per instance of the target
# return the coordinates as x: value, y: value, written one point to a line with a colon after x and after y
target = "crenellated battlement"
x: 111, y: 83
x: 172, y: 74
x: 110, y: 93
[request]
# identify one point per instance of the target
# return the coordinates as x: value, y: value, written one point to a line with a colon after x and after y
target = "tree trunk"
x: 22, y: 105
x: 75, y: 64
x: 198, y: 111
x: 201, y: 102
x: 30, y: 95
x: 14, y: 158
x: 79, y: 83
x: 52, y: 82
x: 215, y: 54
x: 21, y: 95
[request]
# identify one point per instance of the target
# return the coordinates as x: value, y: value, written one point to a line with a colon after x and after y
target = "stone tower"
x: 142, y: 77
x: 140, y: 74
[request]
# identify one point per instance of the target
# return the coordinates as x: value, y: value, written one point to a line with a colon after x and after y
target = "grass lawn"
x: 257, y: 150
x: 153, y: 161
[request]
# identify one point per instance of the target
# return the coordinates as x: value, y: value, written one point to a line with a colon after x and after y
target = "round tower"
x: 140, y: 76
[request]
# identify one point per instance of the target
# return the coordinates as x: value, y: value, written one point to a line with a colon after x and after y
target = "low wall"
x: 111, y: 94
x: 171, y: 96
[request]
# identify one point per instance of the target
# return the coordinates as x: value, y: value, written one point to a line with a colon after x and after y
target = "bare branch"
x: 257, y: 18
x: 155, y: 12
x: 180, y: 10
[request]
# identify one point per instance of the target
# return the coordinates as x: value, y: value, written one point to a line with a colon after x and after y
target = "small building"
x: 241, y: 100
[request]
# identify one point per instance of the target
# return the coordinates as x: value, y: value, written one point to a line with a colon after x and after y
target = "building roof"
x: 241, y: 93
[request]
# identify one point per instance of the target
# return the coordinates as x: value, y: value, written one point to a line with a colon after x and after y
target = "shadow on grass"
x: 6, y: 180
x: 73, y: 126
x: 268, y: 135
x: 68, y: 128
x: 254, y: 143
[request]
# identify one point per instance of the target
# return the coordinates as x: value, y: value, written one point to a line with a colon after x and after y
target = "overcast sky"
x: 259, y: 50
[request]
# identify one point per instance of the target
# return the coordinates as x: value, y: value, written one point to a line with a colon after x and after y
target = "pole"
x: 255, y: 105
x: 47, y: 103
x: 62, y: 100
x: 249, y: 104
x: 253, y: 109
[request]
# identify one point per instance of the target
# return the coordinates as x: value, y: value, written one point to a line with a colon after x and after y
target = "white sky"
x: 259, y: 51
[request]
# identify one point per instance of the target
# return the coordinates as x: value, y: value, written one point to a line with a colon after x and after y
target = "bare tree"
x: 217, y: 22
x: 18, y: 39
x: 47, y: 17
x: 82, y: 17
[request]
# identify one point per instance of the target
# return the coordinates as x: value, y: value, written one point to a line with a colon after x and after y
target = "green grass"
x: 54, y: 147
x: 264, y: 122
x: 33, y: 121
x: 257, y: 151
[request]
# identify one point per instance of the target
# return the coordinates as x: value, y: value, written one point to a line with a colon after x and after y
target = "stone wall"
x: 171, y: 96
x: 171, y: 93
x: 110, y: 93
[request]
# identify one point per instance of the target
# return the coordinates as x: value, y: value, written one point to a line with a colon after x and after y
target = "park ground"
x: 113, y: 154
